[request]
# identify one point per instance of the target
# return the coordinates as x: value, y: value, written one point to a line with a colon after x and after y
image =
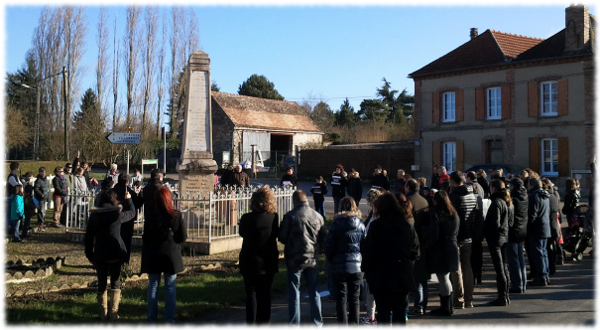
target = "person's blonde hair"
x: 263, y: 200
x: 373, y: 194
x: 348, y: 204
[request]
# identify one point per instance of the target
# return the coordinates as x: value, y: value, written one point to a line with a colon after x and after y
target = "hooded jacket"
x: 338, y: 184
x: 102, y: 240
x: 355, y: 188
x: 499, y: 218
x: 465, y: 203
x: 538, y: 225
x: 342, y: 244
x: 40, y: 188
x: 518, y: 231
x: 303, y: 233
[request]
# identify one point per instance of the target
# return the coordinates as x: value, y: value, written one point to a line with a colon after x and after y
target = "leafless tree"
x: 132, y: 42
x: 102, y: 36
x: 150, y: 27
x: 115, y: 78
x: 175, y: 68
x: 74, y: 40
x: 160, y: 73
x: 193, y: 36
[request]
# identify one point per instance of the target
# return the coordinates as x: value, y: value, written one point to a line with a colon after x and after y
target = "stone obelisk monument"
x: 196, y: 166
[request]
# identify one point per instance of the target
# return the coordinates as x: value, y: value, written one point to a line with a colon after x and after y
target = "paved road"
x: 569, y: 300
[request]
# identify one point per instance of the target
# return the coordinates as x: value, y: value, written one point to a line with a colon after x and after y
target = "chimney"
x: 474, y: 33
x: 577, y: 27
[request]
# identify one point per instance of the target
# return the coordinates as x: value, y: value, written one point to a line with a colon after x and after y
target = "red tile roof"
x: 489, y: 48
x: 256, y: 112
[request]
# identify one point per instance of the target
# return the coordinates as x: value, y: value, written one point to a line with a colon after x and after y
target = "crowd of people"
x: 384, y: 257
x: 389, y: 255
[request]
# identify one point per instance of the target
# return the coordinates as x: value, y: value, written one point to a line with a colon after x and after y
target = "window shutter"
x: 437, y: 153
x: 563, y: 156
x: 459, y: 110
x: 479, y: 104
x: 435, y: 116
x: 535, y: 155
x: 506, y: 101
x: 563, y: 97
x: 534, y: 99
x: 460, y: 158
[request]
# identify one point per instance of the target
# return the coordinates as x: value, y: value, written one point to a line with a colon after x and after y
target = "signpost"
x: 125, y: 138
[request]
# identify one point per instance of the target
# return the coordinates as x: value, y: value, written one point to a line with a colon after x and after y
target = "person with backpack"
x: 161, y: 253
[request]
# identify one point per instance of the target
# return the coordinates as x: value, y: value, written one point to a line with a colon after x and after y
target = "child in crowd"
x: 30, y: 207
x: 17, y: 213
x: 318, y: 191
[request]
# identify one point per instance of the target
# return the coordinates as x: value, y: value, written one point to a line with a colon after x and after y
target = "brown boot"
x: 103, y: 304
x: 115, y: 299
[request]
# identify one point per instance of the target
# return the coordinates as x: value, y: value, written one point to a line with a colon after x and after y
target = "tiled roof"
x: 489, y: 48
x: 255, y: 112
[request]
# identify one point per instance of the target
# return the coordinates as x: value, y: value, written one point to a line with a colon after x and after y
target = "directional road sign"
x: 124, y: 138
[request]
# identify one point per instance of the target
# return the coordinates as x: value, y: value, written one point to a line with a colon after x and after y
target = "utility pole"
x: 164, y: 131
x: 66, y: 111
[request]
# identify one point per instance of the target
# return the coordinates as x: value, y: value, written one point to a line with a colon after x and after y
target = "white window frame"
x: 449, y: 156
x: 549, y: 108
x: 449, y: 107
x: 493, y: 102
x: 550, y: 147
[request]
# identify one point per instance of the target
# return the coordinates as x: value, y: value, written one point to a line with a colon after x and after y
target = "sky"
x: 324, y: 52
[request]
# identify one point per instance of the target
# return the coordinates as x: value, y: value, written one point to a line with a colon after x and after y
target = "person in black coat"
x: 435, y: 178
x: 380, y: 180
x: 538, y: 231
x: 122, y: 188
x: 442, y: 249
x: 319, y: 190
x: 499, y: 218
x: 517, y: 233
x: 161, y: 253
x: 342, y: 248
x: 355, y: 188
x: 105, y: 249
x: 259, y: 255
x: 289, y: 179
x: 571, y: 200
x: 388, y: 252
x: 226, y: 174
x: 483, y: 182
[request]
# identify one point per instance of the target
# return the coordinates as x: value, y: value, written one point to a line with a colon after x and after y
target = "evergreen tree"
x: 259, y: 86
x: 322, y: 116
x: 345, y: 116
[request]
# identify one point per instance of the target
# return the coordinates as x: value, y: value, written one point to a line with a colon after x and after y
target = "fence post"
x: 210, y: 215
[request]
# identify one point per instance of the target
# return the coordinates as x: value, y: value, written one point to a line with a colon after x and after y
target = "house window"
x: 549, y: 91
x: 550, y: 157
x: 448, y: 100
x: 449, y: 156
x: 494, y: 105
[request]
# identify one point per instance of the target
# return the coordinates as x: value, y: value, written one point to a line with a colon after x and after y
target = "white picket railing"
x: 210, y: 216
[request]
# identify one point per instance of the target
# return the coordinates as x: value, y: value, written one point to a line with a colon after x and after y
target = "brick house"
x: 239, y: 121
x: 505, y: 98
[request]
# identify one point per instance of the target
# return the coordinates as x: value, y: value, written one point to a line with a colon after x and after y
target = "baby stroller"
x: 581, y: 232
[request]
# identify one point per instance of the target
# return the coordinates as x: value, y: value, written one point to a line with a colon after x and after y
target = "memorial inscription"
x: 198, y: 120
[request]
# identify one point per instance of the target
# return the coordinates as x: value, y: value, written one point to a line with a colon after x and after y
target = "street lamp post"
x: 36, y: 139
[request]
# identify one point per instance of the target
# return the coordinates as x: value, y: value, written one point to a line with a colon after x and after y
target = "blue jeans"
x: 311, y: 276
x: 170, y: 297
x: 539, y: 258
x: 516, y: 266
x: 14, y: 230
x: 320, y: 208
x: 336, y: 204
x: 421, y: 295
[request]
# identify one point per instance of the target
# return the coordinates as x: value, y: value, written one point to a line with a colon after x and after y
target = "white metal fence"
x: 207, y: 217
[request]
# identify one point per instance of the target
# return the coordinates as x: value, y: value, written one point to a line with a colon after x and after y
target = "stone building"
x: 240, y: 121
x: 505, y: 98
